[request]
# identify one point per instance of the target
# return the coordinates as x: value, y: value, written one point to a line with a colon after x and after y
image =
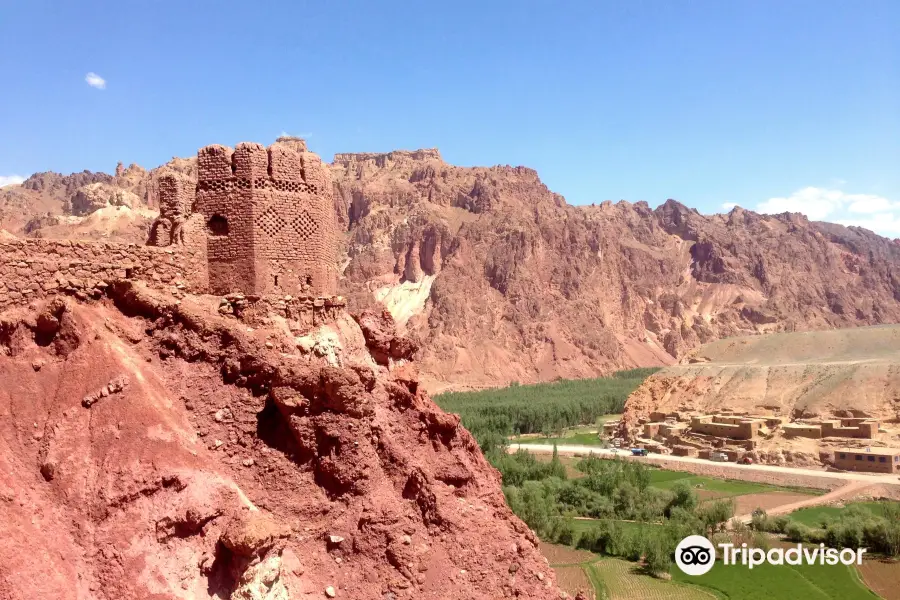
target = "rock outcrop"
x: 810, y: 375
x: 94, y: 196
x: 152, y: 448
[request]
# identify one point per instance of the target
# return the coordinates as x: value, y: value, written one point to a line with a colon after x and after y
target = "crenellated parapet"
x: 270, y: 224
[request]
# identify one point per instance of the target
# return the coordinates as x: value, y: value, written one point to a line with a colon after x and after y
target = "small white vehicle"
x: 718, y: 456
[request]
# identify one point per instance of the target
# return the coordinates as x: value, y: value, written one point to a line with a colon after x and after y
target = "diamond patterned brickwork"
x: 304, y: 225
x: 281, y: 232
x: 270, y: 222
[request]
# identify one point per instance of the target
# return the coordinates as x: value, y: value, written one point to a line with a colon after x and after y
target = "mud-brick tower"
x: 270, y: 223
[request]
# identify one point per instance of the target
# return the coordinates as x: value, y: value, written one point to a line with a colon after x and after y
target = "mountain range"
x: 499, y: 279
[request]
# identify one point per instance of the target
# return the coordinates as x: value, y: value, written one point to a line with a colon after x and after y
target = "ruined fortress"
x: 258, y: 222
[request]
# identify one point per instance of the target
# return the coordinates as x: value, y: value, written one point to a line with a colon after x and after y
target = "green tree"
x: 633, y: 544
x: 683, y: 497
x: 537, y: 510
x: 614, y: 540
x: 588, y: 539
x: 556, y: 467
x: 658, y: 554
x: 565, y: 532
x: 796, y: 532
x: 715, y: 514
x: 761, y: 540
x: 760, y: 520
x: 892, y: 529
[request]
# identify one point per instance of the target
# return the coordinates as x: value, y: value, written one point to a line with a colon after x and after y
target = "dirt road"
x: 775, y: 475
x: 852, y: 489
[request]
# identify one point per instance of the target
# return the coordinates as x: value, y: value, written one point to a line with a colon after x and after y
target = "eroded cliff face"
x: 504, y: 281
x: 500, y: 280
x: 154, y: 448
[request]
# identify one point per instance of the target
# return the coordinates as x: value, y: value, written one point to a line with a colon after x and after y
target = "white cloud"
x: 95, y: 81
x: 868, y: 203
x: 728, y: 205
x: 815, y: 203
x: 870, y: 211
x: 10, y: 180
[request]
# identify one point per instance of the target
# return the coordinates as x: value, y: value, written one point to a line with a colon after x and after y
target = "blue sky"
x: 770, y: 104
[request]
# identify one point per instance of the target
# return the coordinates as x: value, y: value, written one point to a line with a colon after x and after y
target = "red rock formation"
x: 209, y: 464
x: 526, y: 287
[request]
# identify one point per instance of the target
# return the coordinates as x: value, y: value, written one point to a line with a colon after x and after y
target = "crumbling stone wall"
x: 301, y: 314
x: 176, y: 198
x: 31, y: 269
x: 270, y: 224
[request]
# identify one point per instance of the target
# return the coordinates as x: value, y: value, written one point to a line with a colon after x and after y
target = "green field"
x: 618, y: 579
x: 814, y: 516
x: 774, y: 582
x: 582, y: 525
x: 723, y: 488
x: 575, y: 436
x: 614, y: 578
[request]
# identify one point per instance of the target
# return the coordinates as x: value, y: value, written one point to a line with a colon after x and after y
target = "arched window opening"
x: 217, y: 225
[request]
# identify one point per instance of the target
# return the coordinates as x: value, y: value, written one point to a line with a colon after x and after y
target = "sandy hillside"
x: 843, y: 372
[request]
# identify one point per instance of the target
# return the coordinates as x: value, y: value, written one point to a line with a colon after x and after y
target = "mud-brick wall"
x: 32, y: 269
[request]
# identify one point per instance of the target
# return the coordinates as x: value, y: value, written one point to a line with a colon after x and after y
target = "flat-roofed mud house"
x: 737, y: 428
x: 874, y: 460
x: 863, y: 428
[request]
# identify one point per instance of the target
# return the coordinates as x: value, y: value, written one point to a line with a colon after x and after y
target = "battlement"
x: 250, y: 165
x: 263, y: 217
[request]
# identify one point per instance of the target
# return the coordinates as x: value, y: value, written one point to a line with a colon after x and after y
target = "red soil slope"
x: 152, y: 449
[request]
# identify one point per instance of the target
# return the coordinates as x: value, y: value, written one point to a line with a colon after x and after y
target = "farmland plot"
x: 624, y: 581
x: 882, y: 577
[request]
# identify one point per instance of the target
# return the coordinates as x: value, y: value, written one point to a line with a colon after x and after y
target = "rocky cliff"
x: 505, y: 281
x: 153, y: 448
x: 501, y: 280
x: 87, y: 205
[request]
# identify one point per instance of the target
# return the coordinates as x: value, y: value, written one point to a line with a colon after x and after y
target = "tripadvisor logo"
x: 696, y: 555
